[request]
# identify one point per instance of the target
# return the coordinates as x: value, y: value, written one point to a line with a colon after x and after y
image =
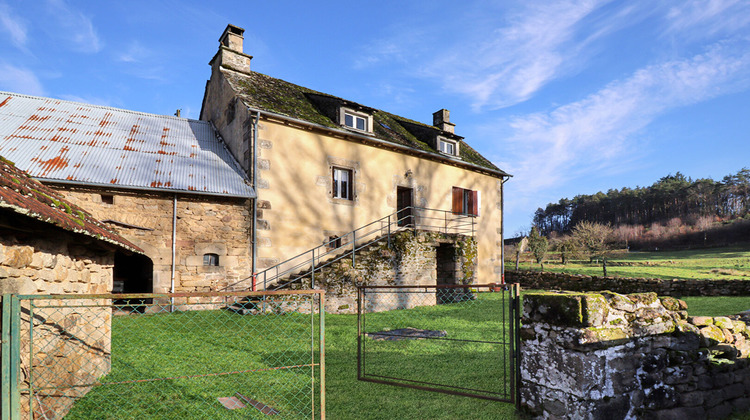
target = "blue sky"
x: 571, y: 97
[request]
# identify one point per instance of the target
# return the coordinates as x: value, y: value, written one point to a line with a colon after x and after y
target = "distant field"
x: 714, y: 263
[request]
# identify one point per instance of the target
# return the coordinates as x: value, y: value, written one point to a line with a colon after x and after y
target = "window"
x: 355, y: 121
x: 359, y: 121
x: 447, y: 147
x: 108, y: 198
x: 342, y: 183
x: 211, y: 259
x: 333, y: 242
x: 466, y: 201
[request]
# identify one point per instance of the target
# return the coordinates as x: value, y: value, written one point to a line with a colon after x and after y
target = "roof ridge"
x: 111, y: 108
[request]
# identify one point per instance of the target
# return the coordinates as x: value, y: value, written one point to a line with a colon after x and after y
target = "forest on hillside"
x: 673, y: 196
x: 676, y: 211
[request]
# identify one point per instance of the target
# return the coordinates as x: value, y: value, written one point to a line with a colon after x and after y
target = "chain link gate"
x: 200, y: 355
x: 460, y: 340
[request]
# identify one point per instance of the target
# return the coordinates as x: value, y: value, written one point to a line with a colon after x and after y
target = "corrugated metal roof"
x: 29, y: 197
x: 52, y: 139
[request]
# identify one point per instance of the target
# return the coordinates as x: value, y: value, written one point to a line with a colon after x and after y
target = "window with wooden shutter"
x: 465, y: 201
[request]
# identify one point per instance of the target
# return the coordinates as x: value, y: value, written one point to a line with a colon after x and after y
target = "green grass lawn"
x: 201, y: 342
x: 713, y: 263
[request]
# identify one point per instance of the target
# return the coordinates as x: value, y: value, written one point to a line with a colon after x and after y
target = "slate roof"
x: 277, y: 96
x: 65, y: 141
x: 29, y: 197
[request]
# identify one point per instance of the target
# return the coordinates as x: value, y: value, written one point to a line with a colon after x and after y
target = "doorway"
x: 404, y: 206
x: 133, y: 273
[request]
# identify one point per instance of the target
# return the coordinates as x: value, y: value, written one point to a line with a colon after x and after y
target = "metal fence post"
x: 322, y: 358
x: 11, y: 356
x: 312, y: 284
x: 354, y: 247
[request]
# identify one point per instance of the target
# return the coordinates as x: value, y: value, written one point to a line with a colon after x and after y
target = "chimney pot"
x: 441, y: 120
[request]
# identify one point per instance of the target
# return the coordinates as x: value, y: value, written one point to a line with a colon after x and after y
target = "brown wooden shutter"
x: 458, y: 198
x: 474, y: 203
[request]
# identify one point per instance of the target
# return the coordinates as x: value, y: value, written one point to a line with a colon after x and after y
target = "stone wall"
x: 409, y: 260
x: 52, y: 261
x: 612, y: 356
x: 662, y: 287
x: 205, y: 225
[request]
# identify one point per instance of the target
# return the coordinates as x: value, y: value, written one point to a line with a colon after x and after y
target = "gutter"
x: 502, y: 229
x: 174, y: 248
x: 136, y: 188
x: 255, y: 200
x: 385, y: 144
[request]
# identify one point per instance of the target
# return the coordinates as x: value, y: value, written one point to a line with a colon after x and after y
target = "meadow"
x: 712, y: 263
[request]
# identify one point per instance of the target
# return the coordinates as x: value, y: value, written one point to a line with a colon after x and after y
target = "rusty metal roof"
x: 27, y: 196
x: 56, y: 140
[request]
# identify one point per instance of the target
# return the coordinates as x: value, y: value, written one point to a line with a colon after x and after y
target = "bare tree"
x: 594, y: 237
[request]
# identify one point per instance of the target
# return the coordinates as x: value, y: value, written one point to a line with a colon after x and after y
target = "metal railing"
x: 307, y: 263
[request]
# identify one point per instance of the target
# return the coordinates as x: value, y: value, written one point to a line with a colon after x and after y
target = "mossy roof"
x: 29, y: 197
x: 277, y: 96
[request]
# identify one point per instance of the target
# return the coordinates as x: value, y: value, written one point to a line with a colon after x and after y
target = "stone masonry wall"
x: 678, y: 288
x: 58, y: 263
x: 612, y: 356
x: 409, y: 260
x: 214, y: 225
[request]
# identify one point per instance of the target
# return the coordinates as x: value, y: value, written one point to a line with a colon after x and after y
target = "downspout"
x: 254, y: 241
x: 502, y: 228
x: 174, y: 248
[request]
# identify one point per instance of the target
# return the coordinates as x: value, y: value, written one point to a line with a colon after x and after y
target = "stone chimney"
x: 232, y: 38
x: 441, y: 120
x: 231, y: 55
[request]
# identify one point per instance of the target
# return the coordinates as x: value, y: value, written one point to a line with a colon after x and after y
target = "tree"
x: 520, y: 247
x: 538, y: 245
x: 569, y: 248
x: 594, y: 237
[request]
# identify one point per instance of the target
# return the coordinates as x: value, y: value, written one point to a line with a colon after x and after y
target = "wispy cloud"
x: 709, y: 17
x: 75, y: 28
x: 21, y: 80
x: 93, y: 100
x: 135, y: 53
x: 13, y: 25
x: 503, y: 57
x: 598, y: 132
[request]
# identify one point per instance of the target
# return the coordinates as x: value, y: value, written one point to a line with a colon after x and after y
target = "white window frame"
x: 342, y: 189
x: 443, y: 142
x: 355, y: 115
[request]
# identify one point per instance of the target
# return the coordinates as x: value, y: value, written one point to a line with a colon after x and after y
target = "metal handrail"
x: 321, y: 256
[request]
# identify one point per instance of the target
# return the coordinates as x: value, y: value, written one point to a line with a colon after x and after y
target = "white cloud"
x: 13, y: 25
x: 135, y: 53
x: 75, y: 28
x: 93, y: 100
x: 20, y: 80
x: 708, y: 17
x: 598, y: 132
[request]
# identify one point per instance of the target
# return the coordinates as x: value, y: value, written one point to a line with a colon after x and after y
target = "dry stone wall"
x: 662, y: 287
x: 612, y: 356
x: 56, y: 262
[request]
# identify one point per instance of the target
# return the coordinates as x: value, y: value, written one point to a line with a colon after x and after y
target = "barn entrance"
x: 133, y: 273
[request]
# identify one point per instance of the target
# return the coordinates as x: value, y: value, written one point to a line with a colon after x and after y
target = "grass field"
x: 714, y: 263
x: 182, y: 344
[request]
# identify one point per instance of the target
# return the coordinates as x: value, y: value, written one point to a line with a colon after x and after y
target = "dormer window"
x: 359, y: 121
x: 447, y: 147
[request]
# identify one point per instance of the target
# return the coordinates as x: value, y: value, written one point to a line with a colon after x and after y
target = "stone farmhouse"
x: 271, y: 170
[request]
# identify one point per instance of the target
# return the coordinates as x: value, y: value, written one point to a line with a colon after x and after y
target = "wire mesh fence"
x: 203, y: 356
x: 454, y: 339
